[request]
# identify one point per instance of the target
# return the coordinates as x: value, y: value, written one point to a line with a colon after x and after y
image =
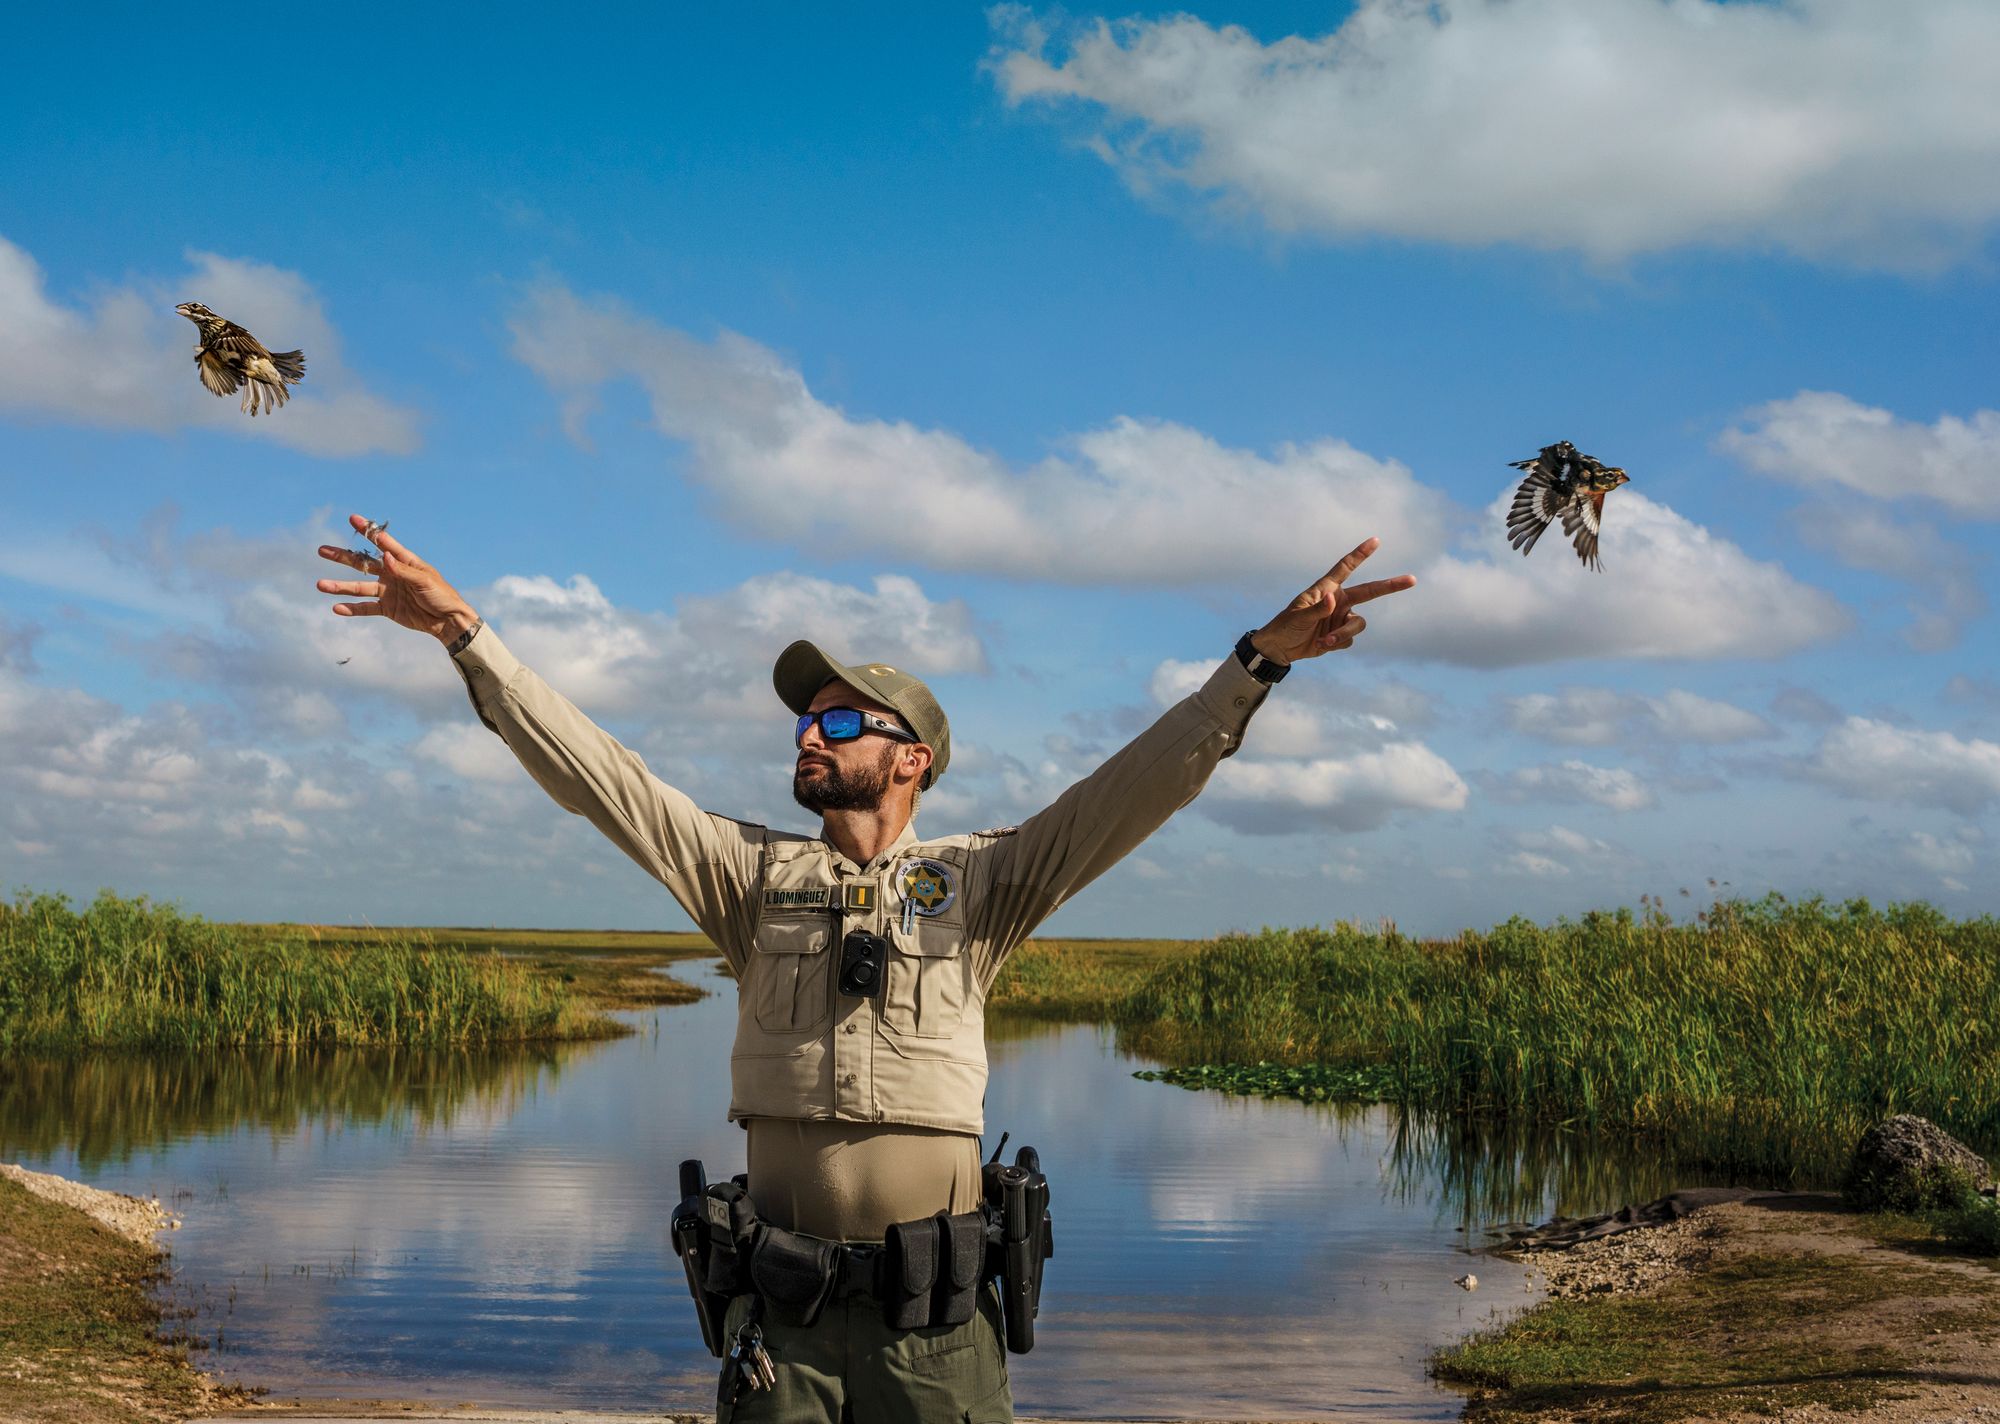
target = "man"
x: 862, y: 1101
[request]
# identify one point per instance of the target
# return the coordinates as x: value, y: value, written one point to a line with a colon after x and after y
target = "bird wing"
x: 1582, y: 521
x: 1536, y: 502
x: 215, y: 374
x: 235, y: 338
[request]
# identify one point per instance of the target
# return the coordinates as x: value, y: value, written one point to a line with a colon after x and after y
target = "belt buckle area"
x: 859, y: 1267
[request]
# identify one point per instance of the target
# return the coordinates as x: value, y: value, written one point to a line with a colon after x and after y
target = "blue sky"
x: 1043, y: 351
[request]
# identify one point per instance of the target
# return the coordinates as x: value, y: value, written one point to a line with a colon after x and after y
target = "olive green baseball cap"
x: 802, y: 670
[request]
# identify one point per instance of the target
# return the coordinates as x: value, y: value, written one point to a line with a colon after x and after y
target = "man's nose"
x: 814, y: 739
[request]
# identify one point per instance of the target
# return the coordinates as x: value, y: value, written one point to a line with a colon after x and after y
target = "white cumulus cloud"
x: 1135, y: 502
x: 1600, y: 716
x: 1877, y: 761
x: 1670, y: 589
x: 1948, y: 859
x: 1845, y: 129
x: 126, y: 360
x: 1159, y: 504
x: 1350, y: 793
x: 1825, y: 440
x: 1311, y: 762
x: 1615, y: 788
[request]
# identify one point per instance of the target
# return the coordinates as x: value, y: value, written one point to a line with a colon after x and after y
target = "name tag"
x: 817, y: 897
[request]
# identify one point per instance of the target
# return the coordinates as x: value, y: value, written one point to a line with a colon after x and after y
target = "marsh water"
x: 491, y: 1226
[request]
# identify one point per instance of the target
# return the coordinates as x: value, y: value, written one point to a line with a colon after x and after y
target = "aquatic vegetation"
x: 131, y: 974
x: 1763, y: 1037
x: 1309, y: 1082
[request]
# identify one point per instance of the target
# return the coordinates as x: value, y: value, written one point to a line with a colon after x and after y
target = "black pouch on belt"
x: 935, y: 1271
x: 794, y: 1273
x: 732, y: 1225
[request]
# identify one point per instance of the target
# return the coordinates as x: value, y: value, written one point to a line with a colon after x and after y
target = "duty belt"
x: 925, y: 1272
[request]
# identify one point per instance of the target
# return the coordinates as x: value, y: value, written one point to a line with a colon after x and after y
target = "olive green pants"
x: 851, y: 1368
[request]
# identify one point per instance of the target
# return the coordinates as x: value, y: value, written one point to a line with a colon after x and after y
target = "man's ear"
x: 917, y: 758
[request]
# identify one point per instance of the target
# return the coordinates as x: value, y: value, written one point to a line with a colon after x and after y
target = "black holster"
x: 1020, y: 1237
x: 796, y: 1274
x: 692, y: 1244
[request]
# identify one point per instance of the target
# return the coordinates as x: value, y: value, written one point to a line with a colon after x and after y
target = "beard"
x: 832, y: 789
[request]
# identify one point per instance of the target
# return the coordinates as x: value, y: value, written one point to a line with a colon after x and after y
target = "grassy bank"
x: 78, y: 1322
x: 133, y: 975
x: 1766, y: 1037
x: 1788, y: 1311
x: 605, y: 969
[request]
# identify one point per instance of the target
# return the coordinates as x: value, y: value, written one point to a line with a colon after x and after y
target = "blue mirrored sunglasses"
x: 844, y: 724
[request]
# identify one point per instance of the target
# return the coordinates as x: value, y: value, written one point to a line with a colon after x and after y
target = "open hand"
x: 1322, y: 619
x: 405, y: 589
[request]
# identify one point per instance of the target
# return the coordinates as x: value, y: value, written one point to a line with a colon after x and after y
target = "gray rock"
x: 1908, y: 1163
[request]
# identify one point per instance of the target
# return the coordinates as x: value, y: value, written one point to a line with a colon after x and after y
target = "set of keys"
x: 749, y: 1362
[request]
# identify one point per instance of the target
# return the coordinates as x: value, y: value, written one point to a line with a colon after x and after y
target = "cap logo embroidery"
x: 882, y: 670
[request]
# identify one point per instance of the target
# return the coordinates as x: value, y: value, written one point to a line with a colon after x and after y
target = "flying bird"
x: 229, y: 356
x: 1562, y: 481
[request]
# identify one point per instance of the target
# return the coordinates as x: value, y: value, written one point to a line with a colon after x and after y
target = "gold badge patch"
x: 926, y: 886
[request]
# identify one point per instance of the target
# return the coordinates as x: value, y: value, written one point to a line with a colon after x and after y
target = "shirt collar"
x: 903, y: 842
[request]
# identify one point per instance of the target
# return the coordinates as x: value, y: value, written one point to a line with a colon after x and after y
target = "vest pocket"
x: 925, y: 996
x: 789, y: 970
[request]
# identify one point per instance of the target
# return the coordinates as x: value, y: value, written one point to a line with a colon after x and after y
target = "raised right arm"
x: 708, y: 862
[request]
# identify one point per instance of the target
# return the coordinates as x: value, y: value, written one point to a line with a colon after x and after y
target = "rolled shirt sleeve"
x: 707, y: 861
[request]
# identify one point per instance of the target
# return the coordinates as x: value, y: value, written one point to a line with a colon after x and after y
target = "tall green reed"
x: 1765, y: 1036
x: 131, y: 974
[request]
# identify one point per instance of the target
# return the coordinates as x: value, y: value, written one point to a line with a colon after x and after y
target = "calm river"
x: 492, y: 1227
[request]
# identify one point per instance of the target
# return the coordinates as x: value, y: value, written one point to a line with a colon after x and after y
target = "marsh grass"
x: 131, y: 974
x: 1080, y: 979
x: 1764, y: 1037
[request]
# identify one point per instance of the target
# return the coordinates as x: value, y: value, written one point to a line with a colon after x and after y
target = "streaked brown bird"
x: 1564, y: 483
x: 229, y: 356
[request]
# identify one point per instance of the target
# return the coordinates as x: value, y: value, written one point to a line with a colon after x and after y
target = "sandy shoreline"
x: 137, y: 1219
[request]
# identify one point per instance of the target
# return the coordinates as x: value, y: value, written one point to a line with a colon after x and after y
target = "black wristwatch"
x: 1256, y: 664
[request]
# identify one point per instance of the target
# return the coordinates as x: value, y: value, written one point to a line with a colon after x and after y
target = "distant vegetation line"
x: 132, y: 974
x: 1766, y: 1036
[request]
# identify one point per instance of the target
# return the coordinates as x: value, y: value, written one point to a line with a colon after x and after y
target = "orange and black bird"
x: 1564, y: 481
x: 229, y: 356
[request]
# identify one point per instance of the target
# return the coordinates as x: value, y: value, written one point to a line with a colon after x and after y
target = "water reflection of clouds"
x: 1215, y: 1255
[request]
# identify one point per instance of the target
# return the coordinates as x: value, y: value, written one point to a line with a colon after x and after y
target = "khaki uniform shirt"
x: 777, y: 904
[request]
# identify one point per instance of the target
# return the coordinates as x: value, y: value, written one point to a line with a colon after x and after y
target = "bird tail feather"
x: 291, y: 364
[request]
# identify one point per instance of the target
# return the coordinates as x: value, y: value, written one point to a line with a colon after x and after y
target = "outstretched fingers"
x: 1375, y: 588
x: 1344, y: 570
x: 358, y: 610
x: 353, y: 558
x: 380, y: 536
